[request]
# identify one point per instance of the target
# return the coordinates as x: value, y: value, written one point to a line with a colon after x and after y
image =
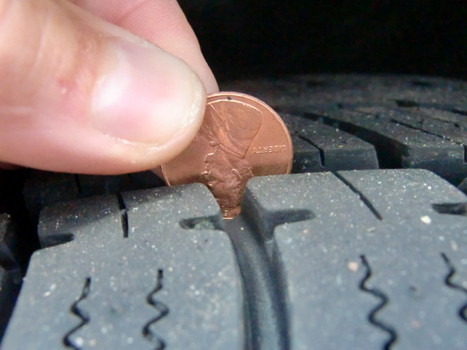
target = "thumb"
x: 78, y: 94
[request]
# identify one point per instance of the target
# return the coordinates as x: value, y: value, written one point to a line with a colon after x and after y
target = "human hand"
x: 82, y: 92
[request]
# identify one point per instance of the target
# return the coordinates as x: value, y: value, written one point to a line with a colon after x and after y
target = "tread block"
x: 43, y: 189
x: 92, y: 219
x: 359, y: 280
x: 158, y: 285
x: 401, y: 145
x: 319, y: 147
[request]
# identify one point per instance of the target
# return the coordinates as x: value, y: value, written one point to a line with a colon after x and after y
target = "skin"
x: 98, y: 87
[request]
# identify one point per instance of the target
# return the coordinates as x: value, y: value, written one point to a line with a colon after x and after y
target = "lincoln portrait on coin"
x: 229, y: 129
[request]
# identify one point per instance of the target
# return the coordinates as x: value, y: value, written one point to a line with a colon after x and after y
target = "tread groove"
x: 406, y: 103
x: 422, y: 83
x: 451, y: 208
x: 79, y: 187
x: 377, y: 293
x: 457, y: 286
x: 124, y: 214
x: 202, y: 223
x: 262, y: 274
x: 363, y: 198
x: 163, y: 311
x: 266, y: 314
x: 81, y: 314
x: 322, y: 159
x: 458, y: 111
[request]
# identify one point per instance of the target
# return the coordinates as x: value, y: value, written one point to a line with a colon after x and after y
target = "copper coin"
x: 240, y: 137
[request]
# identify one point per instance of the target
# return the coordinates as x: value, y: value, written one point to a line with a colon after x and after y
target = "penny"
x: 240, y: 137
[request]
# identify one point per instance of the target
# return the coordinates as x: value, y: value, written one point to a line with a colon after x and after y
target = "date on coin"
x: 240, y: 137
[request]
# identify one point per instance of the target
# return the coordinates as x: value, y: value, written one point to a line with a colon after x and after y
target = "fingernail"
x: 146, y: 95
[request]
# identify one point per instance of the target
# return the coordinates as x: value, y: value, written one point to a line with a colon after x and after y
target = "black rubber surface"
x: 369, y: 259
